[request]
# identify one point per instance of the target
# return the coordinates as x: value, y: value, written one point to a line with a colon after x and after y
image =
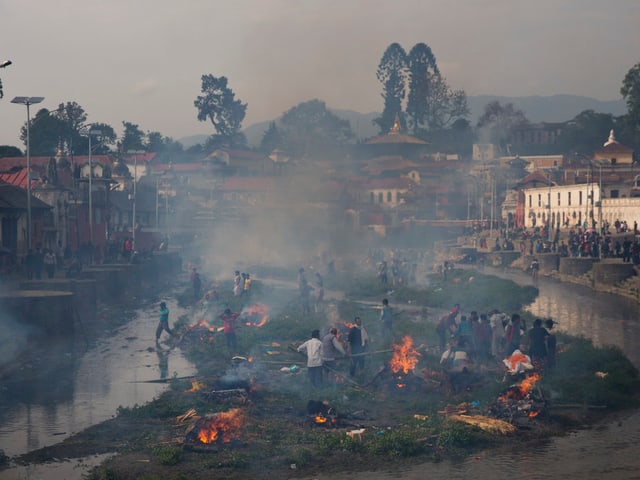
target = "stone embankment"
x: 610, y: 275
x: 58, y: 305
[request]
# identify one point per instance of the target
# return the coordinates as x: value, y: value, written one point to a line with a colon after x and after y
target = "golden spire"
x: 396, y: 126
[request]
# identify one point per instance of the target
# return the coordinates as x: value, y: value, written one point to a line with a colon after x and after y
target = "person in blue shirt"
x: 163, y: 324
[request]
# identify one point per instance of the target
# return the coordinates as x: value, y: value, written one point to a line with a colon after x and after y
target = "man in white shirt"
x: 313, y: 349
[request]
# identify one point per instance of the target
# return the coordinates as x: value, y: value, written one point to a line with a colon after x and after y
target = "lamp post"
x: 90, y: 133
x: 28, y: 101
x: 135, y: 181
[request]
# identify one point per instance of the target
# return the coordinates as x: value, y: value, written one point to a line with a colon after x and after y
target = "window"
x: 530, y: 204
x: 569, y: 198
x: 579, y: 198
x: 539, y: 200
x: 373, y: 198
x: 380, y: 197
x: 615, y: 193
x: 558, y: 198
x: 389, y: 197
x: 614, y: 161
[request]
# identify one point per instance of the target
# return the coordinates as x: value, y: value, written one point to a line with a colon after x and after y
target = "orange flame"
x: 405, y: 357
x: 519, y: 392
x: 320, y: 419
x: 255, y: 310
x: 527, y: 384
x: 222, y: 426
x: 196, y: 386
x: 533, y: 414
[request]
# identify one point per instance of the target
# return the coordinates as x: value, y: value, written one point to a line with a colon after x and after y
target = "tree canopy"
x: 431, y: 107
x: 132, y: 137
x: 392, y: 73
x: 310, y: 128
x: 219, y: 105
x: 422, y: 69
x: 585, y: 132
x: 630, y: 91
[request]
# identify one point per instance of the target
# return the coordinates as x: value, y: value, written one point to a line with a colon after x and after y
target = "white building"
x: 576, y: 203
x: 565, y: 205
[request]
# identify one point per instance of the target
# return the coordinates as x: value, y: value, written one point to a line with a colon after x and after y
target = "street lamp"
x: 6, y: 63
x: 28, y: 101
x: 90, y: 134
x: 135, y: 154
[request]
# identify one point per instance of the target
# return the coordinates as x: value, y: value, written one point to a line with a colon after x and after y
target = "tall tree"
x: 630, y: 91
x: 72, y: 118
x: 444, y: 105
x: 132, y: 137
x: 220, y: 107
x: 422, y: 67
x: 310, y: 128
x: 392, y: 73
x: 45, y: 133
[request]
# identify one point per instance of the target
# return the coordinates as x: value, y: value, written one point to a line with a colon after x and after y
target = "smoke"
x: 14, y: 338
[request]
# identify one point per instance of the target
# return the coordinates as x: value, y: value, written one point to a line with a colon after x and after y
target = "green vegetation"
x: 398, y: 424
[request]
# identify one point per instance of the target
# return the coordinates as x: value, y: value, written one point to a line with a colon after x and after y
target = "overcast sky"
x: 141, y: 61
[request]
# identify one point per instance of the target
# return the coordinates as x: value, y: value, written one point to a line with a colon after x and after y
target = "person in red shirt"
x: 229, y: 322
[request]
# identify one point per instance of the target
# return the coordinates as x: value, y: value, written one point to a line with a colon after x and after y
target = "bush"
x: 167, y: 454
x: 395, y: 443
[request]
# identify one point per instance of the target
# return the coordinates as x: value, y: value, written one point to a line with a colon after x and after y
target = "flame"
x: 518, y: 392
x: 533, y: 414
x: 222, y: 426
x: 320, y: 419
x: 527, y: 384
x: 405, y: 357
x: 256, y: 310
x: 196, y: 386
x: 206, y: 329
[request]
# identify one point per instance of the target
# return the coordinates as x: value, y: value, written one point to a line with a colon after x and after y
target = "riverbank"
x: 401, y: 425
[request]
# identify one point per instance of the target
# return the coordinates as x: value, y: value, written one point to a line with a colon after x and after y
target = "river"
x: 610, y: 450
x: 64, y: 387
x: 114, y: 372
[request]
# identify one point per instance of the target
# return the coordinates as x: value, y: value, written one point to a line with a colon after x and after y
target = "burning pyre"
x: 520, y: 402
x: 403, y: 361
x: 322, y: 414
x: 201, y: 332
x: 255, y: 315
x: 221, y: 427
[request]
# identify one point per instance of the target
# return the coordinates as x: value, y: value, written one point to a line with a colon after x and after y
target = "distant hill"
x: 555, y: 108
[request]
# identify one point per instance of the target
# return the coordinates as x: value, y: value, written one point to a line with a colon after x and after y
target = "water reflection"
x: 604, y: 318
x: 64, y: 388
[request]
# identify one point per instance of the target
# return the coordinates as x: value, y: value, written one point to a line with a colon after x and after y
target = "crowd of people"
x: 495, y: 335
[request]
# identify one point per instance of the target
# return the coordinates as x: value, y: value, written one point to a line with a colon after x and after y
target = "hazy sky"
x: 142, y: 60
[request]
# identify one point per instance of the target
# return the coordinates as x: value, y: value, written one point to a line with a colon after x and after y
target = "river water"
x: 63, y: 388
x: 610, y: 450
x: 88, y: 386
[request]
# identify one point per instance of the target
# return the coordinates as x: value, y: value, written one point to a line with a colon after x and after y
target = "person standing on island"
x: 229, y: 327
x: 163, y: 324
x: 313, y: 349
